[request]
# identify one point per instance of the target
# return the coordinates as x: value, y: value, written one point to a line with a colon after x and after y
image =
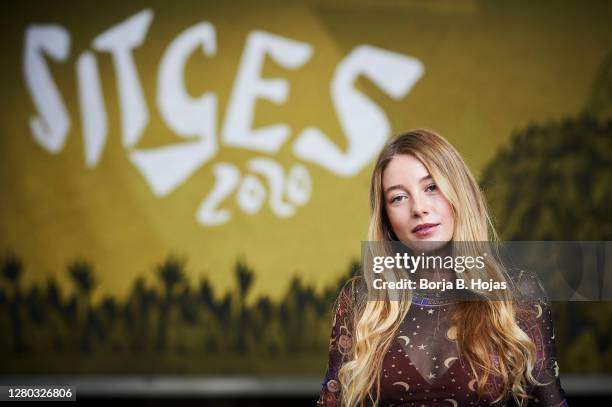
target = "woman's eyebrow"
x: 392, y: 187
x: 427, y: 177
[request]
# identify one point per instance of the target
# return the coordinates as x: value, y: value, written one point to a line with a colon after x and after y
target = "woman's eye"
x: 431, y: 187
x: 398, y: 198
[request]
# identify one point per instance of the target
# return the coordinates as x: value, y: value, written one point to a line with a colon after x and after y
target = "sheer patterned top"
x: 423, y: 366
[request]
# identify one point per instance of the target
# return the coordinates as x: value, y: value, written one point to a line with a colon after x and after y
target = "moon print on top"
x: 423, y: 366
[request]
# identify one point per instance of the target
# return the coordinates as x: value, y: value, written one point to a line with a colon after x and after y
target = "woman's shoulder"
x: 527, y: 286
x: 353, y: 291
x: 531, y: 304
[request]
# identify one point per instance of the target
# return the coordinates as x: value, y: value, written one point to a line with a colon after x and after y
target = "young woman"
x: 423, y: 351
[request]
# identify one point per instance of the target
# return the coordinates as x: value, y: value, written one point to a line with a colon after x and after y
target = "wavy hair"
x: 484, y: 328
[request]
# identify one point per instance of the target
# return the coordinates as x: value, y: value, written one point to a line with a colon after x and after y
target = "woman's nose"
x: 419, y: 206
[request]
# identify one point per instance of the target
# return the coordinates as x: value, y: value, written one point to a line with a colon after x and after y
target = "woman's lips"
x: 425, y: 229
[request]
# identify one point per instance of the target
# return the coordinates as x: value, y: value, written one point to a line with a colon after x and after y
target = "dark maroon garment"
x: 423, y: 366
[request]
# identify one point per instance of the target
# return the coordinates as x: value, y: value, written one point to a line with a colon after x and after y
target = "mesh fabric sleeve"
x: 339, y: 345
x: 535, y: 318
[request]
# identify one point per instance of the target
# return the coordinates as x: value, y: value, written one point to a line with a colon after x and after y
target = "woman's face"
x: 417, y: 210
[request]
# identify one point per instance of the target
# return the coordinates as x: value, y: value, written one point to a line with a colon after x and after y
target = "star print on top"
x: 423, y: 366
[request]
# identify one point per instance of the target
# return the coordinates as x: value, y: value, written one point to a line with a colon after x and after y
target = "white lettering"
x: 93, y: 112
x: 249, y: 86
x: 365, y: 125
x: 51, y: 127
x: 120, y: 40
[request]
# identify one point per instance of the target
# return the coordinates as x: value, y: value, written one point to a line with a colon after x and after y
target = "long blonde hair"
x: 484, y: 328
